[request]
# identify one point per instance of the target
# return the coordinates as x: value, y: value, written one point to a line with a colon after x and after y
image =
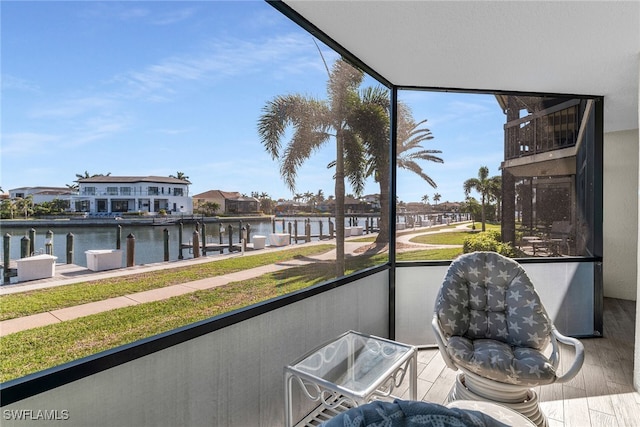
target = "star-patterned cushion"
x: 500, y: 362
x: 488, y: 298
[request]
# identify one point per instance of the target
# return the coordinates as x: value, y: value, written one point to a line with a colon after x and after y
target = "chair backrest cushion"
x: 487, y: 295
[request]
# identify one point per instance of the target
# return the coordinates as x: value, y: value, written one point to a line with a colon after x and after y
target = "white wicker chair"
x: 491, y: 326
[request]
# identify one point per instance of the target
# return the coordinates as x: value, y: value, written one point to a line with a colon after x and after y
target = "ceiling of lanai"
x: 569, y: 47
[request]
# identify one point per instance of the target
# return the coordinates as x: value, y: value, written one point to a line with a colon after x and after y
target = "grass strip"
x: 429, y: 254
x: 36, y: 349
x: 452, y: 238
x: 43, y: 300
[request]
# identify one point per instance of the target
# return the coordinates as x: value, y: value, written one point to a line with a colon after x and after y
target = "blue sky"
x: 152, y: 88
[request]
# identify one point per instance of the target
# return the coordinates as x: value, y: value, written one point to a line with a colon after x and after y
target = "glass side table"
x: 350, y: 370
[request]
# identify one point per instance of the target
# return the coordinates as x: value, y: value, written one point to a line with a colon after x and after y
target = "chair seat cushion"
x: 501, y: 362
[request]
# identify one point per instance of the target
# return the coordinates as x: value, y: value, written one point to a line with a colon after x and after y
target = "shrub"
x: 488, y: 241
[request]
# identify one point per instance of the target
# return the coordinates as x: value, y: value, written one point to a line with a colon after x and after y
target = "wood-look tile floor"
x: 601, y: 394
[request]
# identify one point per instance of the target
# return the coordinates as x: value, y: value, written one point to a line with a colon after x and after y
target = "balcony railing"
x: 546, y: 130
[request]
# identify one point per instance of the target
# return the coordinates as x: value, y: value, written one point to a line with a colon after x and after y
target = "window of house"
x: 153, y: 191
x: 89, y: 191
x: 125, y: 191
x: 112, y: 191
x: 178, y: 191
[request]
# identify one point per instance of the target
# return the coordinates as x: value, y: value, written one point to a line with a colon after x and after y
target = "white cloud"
x: 219, y: 59
x: 10, y: 82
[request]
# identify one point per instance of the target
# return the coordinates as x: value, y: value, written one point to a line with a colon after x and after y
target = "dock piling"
x: 118, y: 236
x: 69, y: 248
x: 180, y: 231
x: 48, y: 243
x: 131, y: 250
x: 220, y: 233
x: 165, y: 236
x: 196, y: 244
x: 25, y: 244
x: 6, y: 247
x: 32, y: 242
x: 204, y: 239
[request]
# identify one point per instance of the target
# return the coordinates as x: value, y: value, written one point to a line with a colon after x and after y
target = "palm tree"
x: 315, y: 123
x: 180, y: 175
x: 425, y: 202
x: 373, y: 127
x: 410, y: 139
x: 496, y: 194
x: 25, y: 205
x: 86, y: 174
x: 483, y: 185
x: 436, y: 198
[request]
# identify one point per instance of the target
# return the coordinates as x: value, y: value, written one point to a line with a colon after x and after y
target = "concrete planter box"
x: 103, y: 259
x: 347, y: 231
x: 400, y: 226
x: 36, y: 267
x: 357, y: 230
x: 259, y: 241
x: 279, y: 239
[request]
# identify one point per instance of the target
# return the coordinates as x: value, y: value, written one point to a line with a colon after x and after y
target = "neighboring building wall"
x: 132, y: 196
x: 620, y: 214
x: 214, y: 196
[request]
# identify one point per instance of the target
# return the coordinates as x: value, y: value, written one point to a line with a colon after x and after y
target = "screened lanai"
x: 227, y: 370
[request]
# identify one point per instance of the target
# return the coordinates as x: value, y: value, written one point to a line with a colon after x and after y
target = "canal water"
x: 149, y: 245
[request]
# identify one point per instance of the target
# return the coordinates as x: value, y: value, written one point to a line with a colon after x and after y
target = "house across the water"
x: 120, y: 194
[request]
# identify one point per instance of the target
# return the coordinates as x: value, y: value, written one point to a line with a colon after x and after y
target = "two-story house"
x: 41, y: 194
x: 119, y: 194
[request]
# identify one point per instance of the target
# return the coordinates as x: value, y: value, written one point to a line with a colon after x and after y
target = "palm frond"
x: 415, y: 168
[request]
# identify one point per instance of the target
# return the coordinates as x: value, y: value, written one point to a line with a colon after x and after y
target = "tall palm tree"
x: 436, y: 198
x: 373, y: 127
x: 483, y: 185
x: 496, y: 194
x: 315, y: 123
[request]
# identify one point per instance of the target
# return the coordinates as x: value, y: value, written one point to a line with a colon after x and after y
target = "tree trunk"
x: 383, y: 234
x: 483, y: 215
